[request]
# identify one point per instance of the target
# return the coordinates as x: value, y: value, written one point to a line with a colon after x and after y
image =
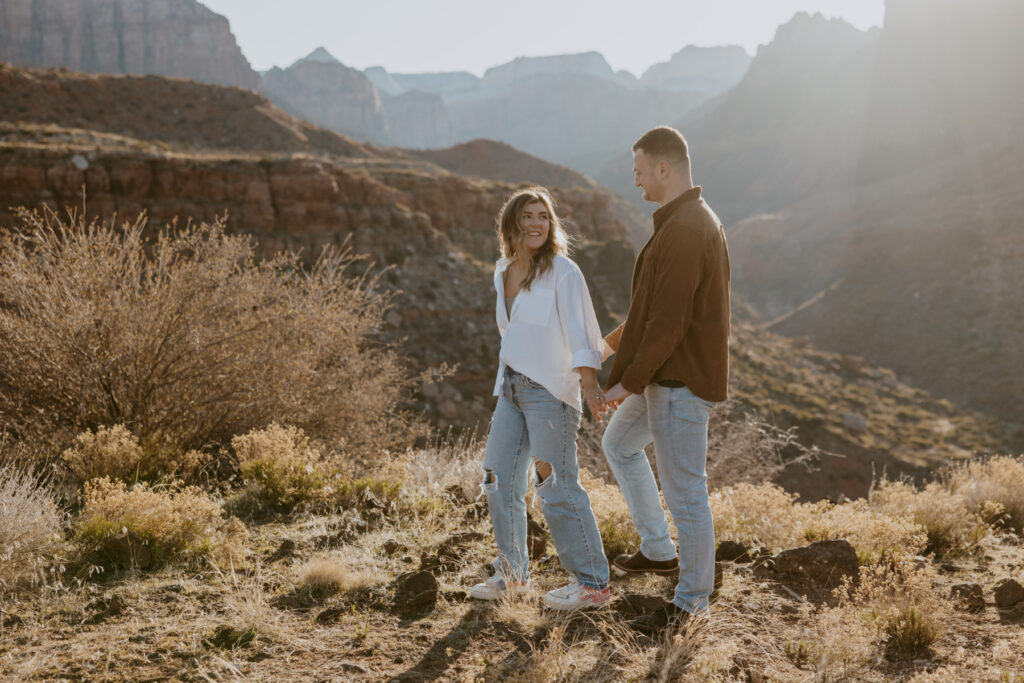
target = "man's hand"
x: 616, y: 395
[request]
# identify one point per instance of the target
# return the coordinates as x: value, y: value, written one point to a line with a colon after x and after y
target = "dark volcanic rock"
x: 415, y: 591
x: 1009, y: 593
x: 968, y: 596
x: 286, y: 549
x: 731, y: 551
x: 635, y: 605
x: 823, y: 564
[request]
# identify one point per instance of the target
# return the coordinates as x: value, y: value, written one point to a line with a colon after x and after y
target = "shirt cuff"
x: 631, y: 383
x: 587, y: 358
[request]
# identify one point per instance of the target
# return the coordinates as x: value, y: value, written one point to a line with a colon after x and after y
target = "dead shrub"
x: 283, y: 471
x: 30, y: 525
x: 993, y: 489
x: 763, y: 515
x: 108, y: 452
x: 951, y: 526
x: 146, y: 527
x: 186, y: 339
x: 903, y: 604
x: 877, y: 537
x: 742, y: 447
x: 766, y: 515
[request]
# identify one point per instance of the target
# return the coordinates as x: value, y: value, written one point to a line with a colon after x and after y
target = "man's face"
x: 646, y: 176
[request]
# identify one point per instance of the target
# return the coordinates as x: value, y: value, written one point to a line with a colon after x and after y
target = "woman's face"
x: 535, y: 223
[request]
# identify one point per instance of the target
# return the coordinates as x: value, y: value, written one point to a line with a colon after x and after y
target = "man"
x: 671, y: 367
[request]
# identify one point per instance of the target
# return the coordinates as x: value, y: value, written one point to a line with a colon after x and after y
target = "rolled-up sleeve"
x: 578, y: 320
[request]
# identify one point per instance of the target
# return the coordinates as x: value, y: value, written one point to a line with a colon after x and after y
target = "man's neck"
x: 676, y: 191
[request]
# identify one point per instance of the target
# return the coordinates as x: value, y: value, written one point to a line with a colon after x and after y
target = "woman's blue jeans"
x: 676, y: 420
x: 530, y: 423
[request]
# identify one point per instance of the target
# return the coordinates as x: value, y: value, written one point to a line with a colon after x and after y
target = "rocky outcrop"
x: 498, y: 161
x: 324, y: 91
x: 417, y: 120
x: 710, y: 70
x: 179, y: 113
x: 167, y: 37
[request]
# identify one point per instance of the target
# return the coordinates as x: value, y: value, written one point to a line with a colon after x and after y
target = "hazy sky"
x: 472, y: 35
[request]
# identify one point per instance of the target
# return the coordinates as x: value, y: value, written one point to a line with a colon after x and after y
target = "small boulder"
x: 968, y: 596
x: 285, y: 550
x: 1008, y: 594
x: 416, y: 591
x: 636, y: 605
x: 854, y: 422
x: 331, y: 615
x: 392, y: 547
x: 732, y: 551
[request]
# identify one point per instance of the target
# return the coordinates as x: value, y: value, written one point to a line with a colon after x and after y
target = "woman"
x: 550, y: 341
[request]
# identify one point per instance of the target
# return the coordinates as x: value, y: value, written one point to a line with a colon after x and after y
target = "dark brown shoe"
x: 638, y: 564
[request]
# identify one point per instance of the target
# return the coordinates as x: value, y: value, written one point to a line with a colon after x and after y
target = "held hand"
x: 616, y: 395
x: 596, y: 402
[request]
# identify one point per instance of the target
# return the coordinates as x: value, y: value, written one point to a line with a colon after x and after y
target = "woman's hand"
x: 596, y: 403
x: 592, y: 393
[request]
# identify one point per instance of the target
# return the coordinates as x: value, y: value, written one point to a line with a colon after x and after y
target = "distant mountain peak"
x: 318, y: 56
x: 583, y: 63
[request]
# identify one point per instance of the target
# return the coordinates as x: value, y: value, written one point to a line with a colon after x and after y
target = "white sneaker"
x: 496, y: 586
x: 575, y: 596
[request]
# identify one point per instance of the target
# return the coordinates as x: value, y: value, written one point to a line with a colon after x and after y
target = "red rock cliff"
x: 167, y: 37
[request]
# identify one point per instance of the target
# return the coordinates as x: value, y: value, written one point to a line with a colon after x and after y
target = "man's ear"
x: 663, y: 168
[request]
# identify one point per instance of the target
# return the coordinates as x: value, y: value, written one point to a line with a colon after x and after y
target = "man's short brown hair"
x: 665, y: 143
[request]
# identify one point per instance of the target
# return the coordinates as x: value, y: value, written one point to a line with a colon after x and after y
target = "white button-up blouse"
x: 551, y: 329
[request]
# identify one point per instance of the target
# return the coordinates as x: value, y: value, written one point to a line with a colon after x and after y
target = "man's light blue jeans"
x: 676, y: 420
x: 530, y: 423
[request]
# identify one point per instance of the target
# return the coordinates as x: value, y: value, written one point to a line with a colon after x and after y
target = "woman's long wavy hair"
x: 510, y: 232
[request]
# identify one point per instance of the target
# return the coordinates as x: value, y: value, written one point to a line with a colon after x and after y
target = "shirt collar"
x: 662, y: 214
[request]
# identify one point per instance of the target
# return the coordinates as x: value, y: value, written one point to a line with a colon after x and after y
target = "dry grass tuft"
x: 30, y: 525
x: 323, y: 577
x: 836, y: 643
x: 951, y: 526
x: 147, y: 527
x: 187, y: 339
x: 618, y: 534
x: 903, y: 604
x: 993, y: 489
x: 449, y: 463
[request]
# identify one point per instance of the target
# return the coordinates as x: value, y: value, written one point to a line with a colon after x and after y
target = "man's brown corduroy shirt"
x: 677, y: 328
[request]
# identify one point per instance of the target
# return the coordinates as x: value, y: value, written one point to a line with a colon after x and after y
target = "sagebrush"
x: 146, y: 527
x: 186, y: 338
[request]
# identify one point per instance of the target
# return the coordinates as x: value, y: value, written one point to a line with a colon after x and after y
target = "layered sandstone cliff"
x: 168, y: 37
x: 324, y: 91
